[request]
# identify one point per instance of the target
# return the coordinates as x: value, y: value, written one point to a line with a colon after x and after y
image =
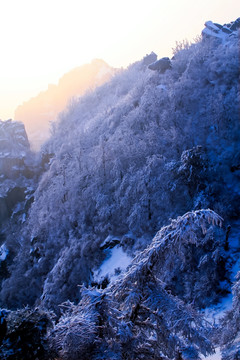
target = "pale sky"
x: 40, y: 40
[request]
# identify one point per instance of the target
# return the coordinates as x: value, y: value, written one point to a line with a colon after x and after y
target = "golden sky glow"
x: 40, y: 40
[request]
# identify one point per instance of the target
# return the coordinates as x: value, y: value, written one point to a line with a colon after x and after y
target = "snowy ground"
x: 117, y: 261
x: 216, y: 356
x: 215, y: 313
x: 3, y: 252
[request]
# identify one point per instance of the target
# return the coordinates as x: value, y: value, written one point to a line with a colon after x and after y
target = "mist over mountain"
x: 128, y: 237
x: 39, y: 112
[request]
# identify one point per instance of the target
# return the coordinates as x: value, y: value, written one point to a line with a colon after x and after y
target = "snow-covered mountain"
x: 131, y: 170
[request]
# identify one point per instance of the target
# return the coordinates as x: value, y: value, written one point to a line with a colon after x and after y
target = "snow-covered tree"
x: 191, y: 257
x: 228, y: 332
x: 145, y: 147
x: 137, y: 317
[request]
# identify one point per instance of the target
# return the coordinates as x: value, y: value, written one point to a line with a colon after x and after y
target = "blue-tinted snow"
x: 3, y: 252
x: 117, y: 259
x: 216, y: 356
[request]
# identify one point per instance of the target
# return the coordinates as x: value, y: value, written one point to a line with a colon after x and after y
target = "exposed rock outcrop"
x: 17, y: 166
x: 161, y: 65
x: 221, y: 32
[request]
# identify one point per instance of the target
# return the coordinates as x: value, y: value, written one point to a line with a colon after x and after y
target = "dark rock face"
x: 17, y: 168
x: 161, y: 65
x: 13, y: 138
x: 110, y: 242
x: 3, y: 324
x: 234, y: 25
x: 7, y: 203
x: 14, y: 148
x: 22, y: 334
x: 19, y: 171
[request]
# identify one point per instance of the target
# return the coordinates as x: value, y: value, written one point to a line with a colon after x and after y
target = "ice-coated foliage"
x: 137, y: 318
x: 87, y: 330
x: 229, y: 332
x: 190, y: 258
x: 141, y: 149
x: 122, y: 162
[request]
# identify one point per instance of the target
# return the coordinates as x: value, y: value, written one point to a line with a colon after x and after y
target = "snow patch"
x: 211, y: 33
x: 3, y: 252
x: 161, y: 87
x: 214, y: 313
x: 212, y: 26
x: 117, y: 260
x: 216, y: 356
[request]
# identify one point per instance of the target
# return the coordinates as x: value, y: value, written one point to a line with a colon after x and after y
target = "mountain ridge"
x: 40, y: 111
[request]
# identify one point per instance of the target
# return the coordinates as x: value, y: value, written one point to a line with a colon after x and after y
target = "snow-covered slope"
x: 129, y: 156
x: 123, y: 161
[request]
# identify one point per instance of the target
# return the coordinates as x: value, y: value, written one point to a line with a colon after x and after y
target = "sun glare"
x: 41, y: 40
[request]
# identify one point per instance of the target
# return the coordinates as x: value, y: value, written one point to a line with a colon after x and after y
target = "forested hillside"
x: 133, y: 168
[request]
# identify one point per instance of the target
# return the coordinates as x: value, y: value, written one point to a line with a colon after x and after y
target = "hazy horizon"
x: 39, y: 112
x: 44, y: 40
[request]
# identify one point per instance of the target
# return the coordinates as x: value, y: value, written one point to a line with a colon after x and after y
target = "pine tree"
x: 137, y: 318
